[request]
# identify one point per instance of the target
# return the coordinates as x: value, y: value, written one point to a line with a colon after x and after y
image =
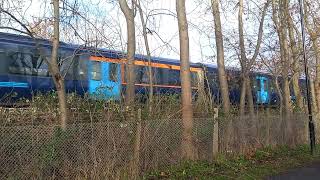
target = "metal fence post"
x: 136, y: 152
x: 215, y: 137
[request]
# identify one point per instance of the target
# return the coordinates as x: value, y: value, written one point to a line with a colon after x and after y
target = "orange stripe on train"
x: 141, y: 63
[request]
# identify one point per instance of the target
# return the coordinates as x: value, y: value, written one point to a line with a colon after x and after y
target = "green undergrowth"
x: 264, y: 162
x: 44, y: 109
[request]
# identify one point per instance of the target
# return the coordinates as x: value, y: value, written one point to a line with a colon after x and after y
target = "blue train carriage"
x: 212, y: 83
x: 100, y: 73
x: 262, y: 91
x: 108, y: 80
x: 24, y: 72
x: 302, y: 85
x: 262, y: 88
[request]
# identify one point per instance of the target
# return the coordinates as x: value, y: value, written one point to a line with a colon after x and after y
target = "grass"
x: 262, y: 163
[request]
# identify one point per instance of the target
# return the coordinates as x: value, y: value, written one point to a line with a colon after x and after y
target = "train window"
x: 161, y: 76
x: 141, y: 75
x: 41, y: 66
x: 258, y: 85
x: 113, y: 72
x: 265, y: 85
x: 67, y: 66
x: 27, y: 64
x: 145, y: 76
x: 20, y: 63
x: 235, y: 80
x: 272, y: 85
x: 75, y: 65
x: 174, y: 77
x: 3, y: 67
x: 194, y: 79
x: 156, y: 76
x: 82, y: 69
x: 212, y: 80
x: 96, y: 71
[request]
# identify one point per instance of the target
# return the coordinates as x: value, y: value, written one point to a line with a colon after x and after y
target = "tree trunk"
x: 284, y: 56
x: 297, y: 91
x: 250, y: 97
x: 317, y: 80
x: 313, y: 97
x: 278, y: 88
x: 295, y: 60
x: 286, y: 95
x: 55, y: 72
x: 220, y: 57
x: 202, y: 98
x: 246, y: 64
x: 243, y: 60
x: 246, y: 91
x: 313, y: 31
x: 145, y: 37
x: 131, y: 48
x: 187, y: 113
x: 243, y: 96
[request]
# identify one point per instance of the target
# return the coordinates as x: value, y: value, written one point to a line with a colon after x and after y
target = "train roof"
x: 102, y: 52
x: 28, y: 41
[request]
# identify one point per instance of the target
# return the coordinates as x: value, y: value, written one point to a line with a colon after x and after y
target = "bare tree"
x: 53, y: 62
x: 279, y: 16
x: 313, y: 27
x: 131, y: 48
x: 220, y: 57
x: 295, y: 50
x: 146, y: 42
x: 246, y: 64
x: 57, y: 78
x: 187, y: 112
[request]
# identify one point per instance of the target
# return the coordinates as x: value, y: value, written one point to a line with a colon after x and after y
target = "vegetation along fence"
x: 116, y: 150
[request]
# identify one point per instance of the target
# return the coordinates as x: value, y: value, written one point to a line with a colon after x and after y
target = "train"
x: 100, y: 73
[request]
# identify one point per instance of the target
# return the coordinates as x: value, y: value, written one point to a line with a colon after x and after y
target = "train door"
x: 104, y: 80
x: 262, y: 90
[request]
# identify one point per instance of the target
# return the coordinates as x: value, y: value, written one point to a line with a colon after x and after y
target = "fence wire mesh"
x: 106, y: 150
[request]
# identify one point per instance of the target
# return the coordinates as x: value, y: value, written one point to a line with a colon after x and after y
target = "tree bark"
x: 284, y: 60
x: 314, y: 35
x: 220, y: 57
x: 55, y: 72
x: 313, y: 96
x: 250, y: 97
x: 278, y: 88
x: 279, y: 19
x: 243, y: 60
x: 297, y: 91
x: 243, y: 96
x: 187, y: 112
x: 131, y: 48
x: 246, y: 64
x: 145, y: 37
x: 295, y: 59
x: 315, y: 46
x: 246, y: 91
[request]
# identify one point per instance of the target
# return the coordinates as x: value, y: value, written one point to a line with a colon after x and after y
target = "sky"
x: 164, y: 39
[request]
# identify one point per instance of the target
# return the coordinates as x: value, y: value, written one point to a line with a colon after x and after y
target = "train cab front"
x: 262, y: 93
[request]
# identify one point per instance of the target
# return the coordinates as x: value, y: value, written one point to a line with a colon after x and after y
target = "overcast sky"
x: 164, y: 41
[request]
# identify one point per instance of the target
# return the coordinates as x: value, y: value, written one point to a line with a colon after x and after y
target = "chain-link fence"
x: 246, y: 134
x: 111, y: 150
